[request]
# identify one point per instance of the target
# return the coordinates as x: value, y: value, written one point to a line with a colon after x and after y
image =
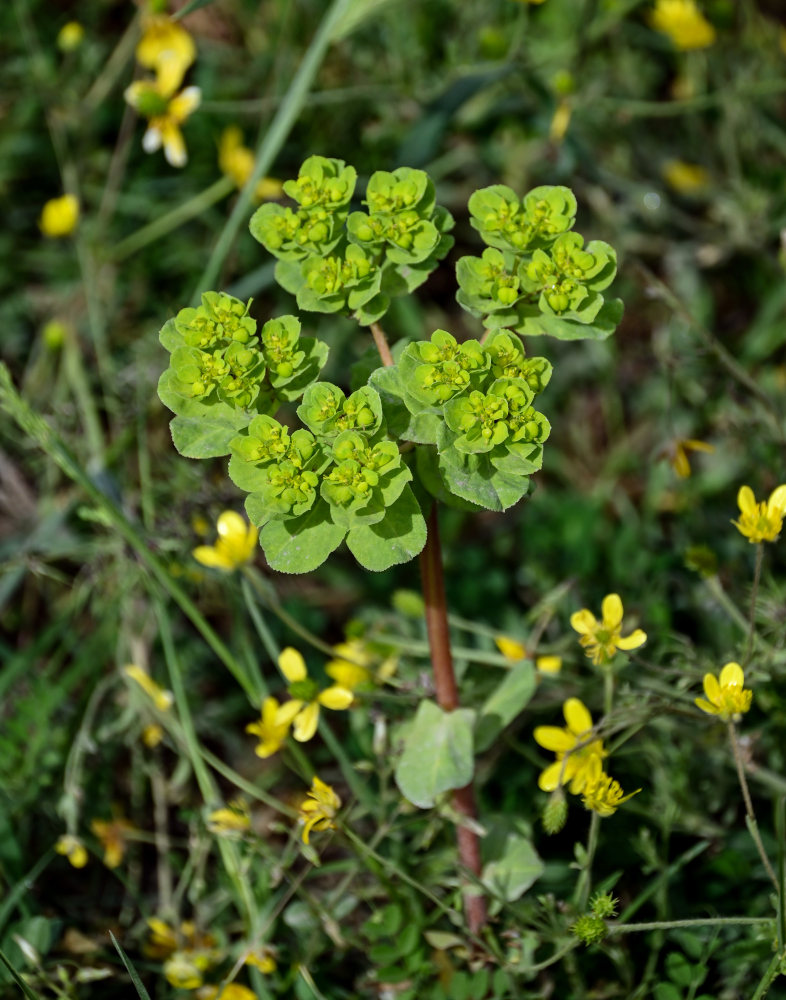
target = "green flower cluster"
x: 222, y: 372
x: 537, y: 276
x: 334, y: 263
x: 474, y: 403
x: 342, y: 477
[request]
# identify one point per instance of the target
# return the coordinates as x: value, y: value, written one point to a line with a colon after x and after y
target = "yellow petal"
x: 548, y: 664
x: 269, y: 710
x: 292, y: 665
x: 173, y: 143
x: 549, y: 779
x: 577, y: 716
x: 186, y: 102
x: 746, y: 500
x: 306, y: 722
x: 583, y: 622
x: 553, y: 738
x: 288, y: 711
x: 335, y: 697
x: 777, y: 501
x: 230, y: 525
x: 511, y: 649
x: 732, y: 676
x: 680, y: 462
x: 347, y: 675
x: 612, y: 611
x: 632, y: 641
x: 208, y: 555
x: 712, y: 688
x: 705, y: 706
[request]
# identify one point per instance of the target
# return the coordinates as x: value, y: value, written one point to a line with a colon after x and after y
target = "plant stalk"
x: 448, y: 700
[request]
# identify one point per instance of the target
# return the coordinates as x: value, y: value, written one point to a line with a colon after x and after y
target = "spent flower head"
x: 59, y: 216
x: 302, y: 710
x: 726, y: 695
x: 761, y: 522
x: 601, y: 793
x: 235, y: 546
x: 574, y: 746
x: 113, y: 835
x: 319, y: 808
x: 683, y: 22
x: 602, y: 639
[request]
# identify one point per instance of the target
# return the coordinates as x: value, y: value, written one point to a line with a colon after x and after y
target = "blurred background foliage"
x: 676, y: 158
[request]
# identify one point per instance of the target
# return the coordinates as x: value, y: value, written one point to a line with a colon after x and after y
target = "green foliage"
x: 537, y: 277
x: 438, y: 754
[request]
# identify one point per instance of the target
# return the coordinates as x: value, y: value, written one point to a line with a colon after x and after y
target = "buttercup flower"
x: 680, y: 462
x: 271, y: 733
x: 303, y: 708
x: 761, y: 522
x: 167, y: 48
x: 683, y: 22
x: 113, y: 835
x: 236, y: 544
x: 232, y: 991
x: 602, y: 794
x: 231, y: 821
x: 571, y: 764
x: 185, y: 970
x: 73, y: 848
x: 59, y: 216
x: 165, y: 115
x: 602, y: 639
x: 161, y: 699
x: 164, y: 940
x: 70, y: 36
x: 355, y: 666
x: 319, y: 808
x: 726, y: 695
x: 237, y: 162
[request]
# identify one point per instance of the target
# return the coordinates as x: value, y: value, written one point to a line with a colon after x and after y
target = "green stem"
x: 584, y: 883
x: 172, y: 220
x: 754, y: 595
x: 753, y: 826
x: 273, y: 139
x: 42, y: 434
x: 264, y: 633
x: 769, y: 977
x: 608, y: 692
x: 76, y: 376
x: 713, y: 584
x: 667, y: 925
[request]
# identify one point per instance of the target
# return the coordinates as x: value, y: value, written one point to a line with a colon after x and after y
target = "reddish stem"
x: 382, y: 344
x: 447, y: 697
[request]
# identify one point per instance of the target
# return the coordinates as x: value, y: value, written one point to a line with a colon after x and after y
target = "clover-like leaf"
x: 438, y: 754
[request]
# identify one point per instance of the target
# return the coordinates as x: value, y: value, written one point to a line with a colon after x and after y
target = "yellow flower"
x: 571, y: 763
x: 353, y: 668
x: 165, y: 115
x: 113, y: 836
x: 271, y: 733
x: 232, y: 991
x: 164, y: 940
x: 319, y: 808
x: 602, y: 794
x: 679, y: 459
x: 237, y: 162
x: 152, y: 735
x: 167, y: 48
x: 685, y: 178
x: 73, y: 848
x: 761, y: 522
x: 230, y: 821
x: 726, y: 694
x: 683, y: 22
x: 185, y: 970
x: 303, y: 708
x: 161, y: 699
x: 602, y: 639
x: 262, y: 958
x: 511, y: 649
x: 70, y: 36
x: 59, y: 216
x: 548, y: 664
x: 236, y: 544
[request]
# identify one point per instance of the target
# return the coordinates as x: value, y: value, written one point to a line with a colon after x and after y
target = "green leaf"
x: 297, y: 544
x: 139, y: 986
x: 515, y: 871
x: 474, y: 478
x: 396, y: 539
x: 208, y: 436
x: 192, y: 5
x: 666, y: 991
x: 604, y: 324
x: 427, y: 465
x: 502, y: 706
x: 437, y: 754
x: 170, y: 336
